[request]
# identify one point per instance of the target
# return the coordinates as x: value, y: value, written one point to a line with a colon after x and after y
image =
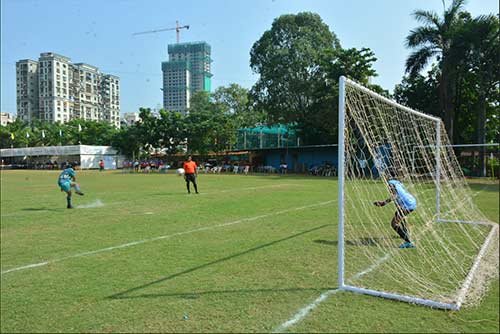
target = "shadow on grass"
x: 295, y: 176
x: 489, y: 187
x: 41, y: 209
x: 170, y: 194
x: 371, y: 241
x: 196, y: 295
x: 123, y: 294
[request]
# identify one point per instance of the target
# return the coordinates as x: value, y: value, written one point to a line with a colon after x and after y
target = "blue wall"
x: 298, y: 157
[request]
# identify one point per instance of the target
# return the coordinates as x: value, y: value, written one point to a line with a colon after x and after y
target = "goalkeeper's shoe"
x: 407, y: 244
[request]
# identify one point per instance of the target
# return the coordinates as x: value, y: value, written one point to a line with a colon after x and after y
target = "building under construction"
x: 186, y: 72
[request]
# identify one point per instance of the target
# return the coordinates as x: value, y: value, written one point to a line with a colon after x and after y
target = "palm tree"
x: 438, y: 38
x: 482, y: 36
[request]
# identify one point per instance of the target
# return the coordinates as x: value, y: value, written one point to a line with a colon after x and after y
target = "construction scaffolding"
x: 264, y: 137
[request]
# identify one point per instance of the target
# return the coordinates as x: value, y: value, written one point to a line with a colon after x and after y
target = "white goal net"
x: 447, y: 239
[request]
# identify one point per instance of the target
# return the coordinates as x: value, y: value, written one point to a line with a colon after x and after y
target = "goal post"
x: 393, y: 141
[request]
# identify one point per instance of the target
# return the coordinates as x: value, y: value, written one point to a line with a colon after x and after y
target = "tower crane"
x: 177, y: 30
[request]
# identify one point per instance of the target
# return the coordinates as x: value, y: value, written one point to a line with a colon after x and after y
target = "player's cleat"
x: 79, y: 193
x: 70, y: 207
x: 407, y: 245
x: 197, y: 192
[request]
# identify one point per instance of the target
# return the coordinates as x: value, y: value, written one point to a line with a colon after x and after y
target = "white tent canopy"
x: 88, y: 155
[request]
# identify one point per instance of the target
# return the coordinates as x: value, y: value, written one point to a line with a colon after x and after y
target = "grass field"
x: 140, y: 255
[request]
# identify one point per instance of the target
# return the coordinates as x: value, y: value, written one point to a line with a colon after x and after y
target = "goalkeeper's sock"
x: 406, y: 232
x: 403, y: 232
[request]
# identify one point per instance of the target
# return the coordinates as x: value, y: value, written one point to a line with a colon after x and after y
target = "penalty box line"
x: 303, y: 312
x: 168, y: 236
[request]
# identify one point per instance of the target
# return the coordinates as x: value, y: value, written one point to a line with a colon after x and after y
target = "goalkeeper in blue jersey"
x: 66, y: 181
x: 405, y: 204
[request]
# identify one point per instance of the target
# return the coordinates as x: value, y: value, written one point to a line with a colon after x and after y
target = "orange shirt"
x: 189, y: 167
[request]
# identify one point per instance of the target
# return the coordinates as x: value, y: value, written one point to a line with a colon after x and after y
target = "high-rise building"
x: 54, y: 87
x: 110, y: 99
x: 64, y: 91
x: 186, y: 72
x: 27, y: 89
x: 86, y: 90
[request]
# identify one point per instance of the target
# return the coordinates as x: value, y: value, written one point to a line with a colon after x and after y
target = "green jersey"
x: 67, y: 175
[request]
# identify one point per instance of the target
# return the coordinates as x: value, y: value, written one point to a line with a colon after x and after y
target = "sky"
x: 100, y: 33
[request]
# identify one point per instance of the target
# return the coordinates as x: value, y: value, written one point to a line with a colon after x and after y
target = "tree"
x: 146, y: 128
x: 481, y: 40
x: 209, y: 128
x: 299, y: 62
x: 287, y: 57
x: 473, y: 48
x: 127, y: 141
x: 237, y: 102
x: 171, y: 130
x: 438, y: 37
x: 6, y: 137
x: 420, y: 92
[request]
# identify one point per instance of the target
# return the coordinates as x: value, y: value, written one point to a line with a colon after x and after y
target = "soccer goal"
x: 380, y: 140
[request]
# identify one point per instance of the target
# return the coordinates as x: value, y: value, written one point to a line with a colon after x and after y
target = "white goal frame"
x: 460, y: 297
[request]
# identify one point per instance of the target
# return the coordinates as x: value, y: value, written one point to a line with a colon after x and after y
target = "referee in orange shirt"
x: 191, y: 172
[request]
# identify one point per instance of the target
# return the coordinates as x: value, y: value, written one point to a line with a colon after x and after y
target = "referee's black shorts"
x: 191, y: 177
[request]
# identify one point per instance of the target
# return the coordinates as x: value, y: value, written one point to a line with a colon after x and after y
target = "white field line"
x: 206, y: 228
x: 303, y: 312
x: 373, y: 266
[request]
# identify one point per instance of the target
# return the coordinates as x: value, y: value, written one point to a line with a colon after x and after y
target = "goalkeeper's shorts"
x: 403, y: 212
x: 66, y: 186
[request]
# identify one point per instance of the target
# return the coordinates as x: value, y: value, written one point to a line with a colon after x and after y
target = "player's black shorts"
x: 191, y: 177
